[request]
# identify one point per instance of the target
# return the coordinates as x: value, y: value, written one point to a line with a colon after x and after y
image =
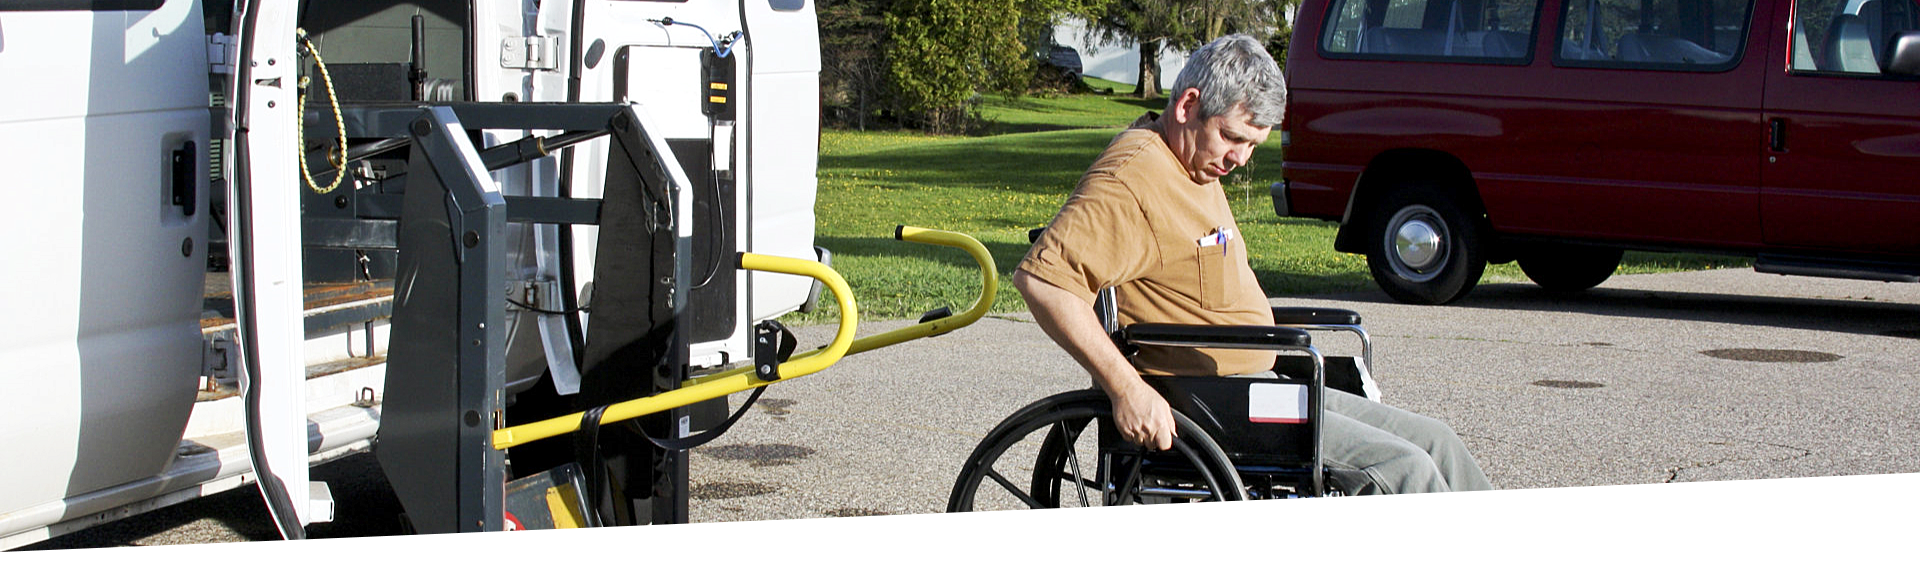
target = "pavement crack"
x: 1673, y: 473
x: 1800, y: 452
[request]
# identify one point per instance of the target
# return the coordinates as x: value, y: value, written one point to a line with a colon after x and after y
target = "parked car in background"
x: 1448, y: 134
x: 1065, y: 64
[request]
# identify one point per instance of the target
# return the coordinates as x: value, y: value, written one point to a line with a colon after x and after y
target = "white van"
x: 139, y: 137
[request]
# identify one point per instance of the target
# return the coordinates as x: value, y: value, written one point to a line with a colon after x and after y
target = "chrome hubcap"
x: 1417, y: 244
x: 1417, y: 238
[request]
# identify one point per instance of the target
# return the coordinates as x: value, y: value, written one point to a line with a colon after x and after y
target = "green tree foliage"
x: 922, y: 62
x: 943, y: 52
x: 1282, y: 38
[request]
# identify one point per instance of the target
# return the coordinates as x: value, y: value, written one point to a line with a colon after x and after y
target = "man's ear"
x: 1185, y: 107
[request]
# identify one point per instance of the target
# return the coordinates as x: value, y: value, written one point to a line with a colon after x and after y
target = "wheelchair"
x: 1238, y: 438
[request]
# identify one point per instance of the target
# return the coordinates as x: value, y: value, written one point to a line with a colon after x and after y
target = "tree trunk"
x: 1149, y: 86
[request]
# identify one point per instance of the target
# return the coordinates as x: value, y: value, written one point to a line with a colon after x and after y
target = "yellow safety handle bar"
x: 741, y: 379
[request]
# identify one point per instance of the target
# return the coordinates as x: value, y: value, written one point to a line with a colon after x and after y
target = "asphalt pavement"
x: 1716, y: 375
x: 1702, y: 376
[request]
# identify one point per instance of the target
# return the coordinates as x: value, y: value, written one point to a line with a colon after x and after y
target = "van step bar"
x: 330, y: 309
x: 329, y: 306
x: 1839, y: 268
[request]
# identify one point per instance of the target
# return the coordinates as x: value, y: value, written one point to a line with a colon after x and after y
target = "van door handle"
x: 184, y: 195
x: 1777, y: 135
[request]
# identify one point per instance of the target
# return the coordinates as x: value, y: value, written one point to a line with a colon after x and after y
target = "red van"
x: 1447, y: 134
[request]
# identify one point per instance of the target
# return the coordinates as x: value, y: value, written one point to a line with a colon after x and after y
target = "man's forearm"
x: 1138, y: 412
x: 1071, y: 323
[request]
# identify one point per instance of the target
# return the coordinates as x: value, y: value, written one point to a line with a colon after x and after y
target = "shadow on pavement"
x: 1865, y: 315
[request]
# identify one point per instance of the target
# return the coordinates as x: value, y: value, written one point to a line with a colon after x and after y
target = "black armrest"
x: 1315, y: 317
x: 1249, y: 337
x: 1033, y: 235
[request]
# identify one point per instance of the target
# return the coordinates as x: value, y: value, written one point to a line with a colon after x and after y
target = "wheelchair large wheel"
x: 1053, y: 449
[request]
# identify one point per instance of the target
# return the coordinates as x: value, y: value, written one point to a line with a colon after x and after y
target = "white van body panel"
x: 103, y: 355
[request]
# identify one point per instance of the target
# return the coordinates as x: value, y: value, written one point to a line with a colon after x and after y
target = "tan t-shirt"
x: 1171, y: 247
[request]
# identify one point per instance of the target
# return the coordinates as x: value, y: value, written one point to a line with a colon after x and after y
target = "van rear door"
x: 784, y: 111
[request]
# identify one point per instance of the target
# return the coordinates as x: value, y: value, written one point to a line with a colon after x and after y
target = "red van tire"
x: 1568, y: 268
x: 1424, y: 250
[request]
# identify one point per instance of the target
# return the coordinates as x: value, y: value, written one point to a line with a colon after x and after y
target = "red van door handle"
x: 1777, y: 135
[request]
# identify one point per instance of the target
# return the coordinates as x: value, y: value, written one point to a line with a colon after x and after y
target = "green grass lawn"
x: 998, y: 186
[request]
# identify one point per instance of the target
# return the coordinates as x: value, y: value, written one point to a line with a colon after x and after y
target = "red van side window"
x: 1653, y: 34
x: 1497, y: 31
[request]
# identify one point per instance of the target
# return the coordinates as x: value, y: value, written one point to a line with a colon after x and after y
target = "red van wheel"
x: 1568, y: 268
x: 1424, y: 251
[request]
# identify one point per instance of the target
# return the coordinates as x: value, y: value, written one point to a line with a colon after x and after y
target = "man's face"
x: 1214, y: 146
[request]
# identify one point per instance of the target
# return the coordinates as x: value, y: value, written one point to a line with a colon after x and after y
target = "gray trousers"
x: 1403, y: 452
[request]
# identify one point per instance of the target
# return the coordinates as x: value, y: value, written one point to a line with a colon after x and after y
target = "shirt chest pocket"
x: 1219, y: 280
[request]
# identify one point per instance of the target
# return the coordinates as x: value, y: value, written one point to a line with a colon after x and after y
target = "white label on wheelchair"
x: 1276, y: 403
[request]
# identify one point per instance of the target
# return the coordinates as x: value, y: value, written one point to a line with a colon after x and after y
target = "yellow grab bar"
x: 741, y: 379
x: 714, y: 387
x: 989, y: 286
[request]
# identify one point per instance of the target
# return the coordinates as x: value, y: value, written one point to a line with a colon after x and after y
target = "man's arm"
x: 1141, y: 414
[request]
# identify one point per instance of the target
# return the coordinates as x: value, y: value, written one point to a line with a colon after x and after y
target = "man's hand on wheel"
x: 1143, y: 417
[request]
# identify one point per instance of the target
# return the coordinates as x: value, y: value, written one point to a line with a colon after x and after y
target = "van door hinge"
x: 219, y: 361
x: 221, y: 54
x: 540, y: 53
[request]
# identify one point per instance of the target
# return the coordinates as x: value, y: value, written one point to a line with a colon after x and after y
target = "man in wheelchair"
x: 1151, y: 220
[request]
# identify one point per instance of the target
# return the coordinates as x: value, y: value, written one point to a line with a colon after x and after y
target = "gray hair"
x: 1235, y: 70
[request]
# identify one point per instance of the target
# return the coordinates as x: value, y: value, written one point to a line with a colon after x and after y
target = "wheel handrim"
x: 1417, y: 243
x: 1071, y: 422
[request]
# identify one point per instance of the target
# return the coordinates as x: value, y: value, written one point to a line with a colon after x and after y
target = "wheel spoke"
x: 1069, y: 438
x: 1002, y: 480
x: 1128, y: 491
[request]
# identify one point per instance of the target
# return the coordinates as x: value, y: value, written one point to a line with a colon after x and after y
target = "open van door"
x: 734, y: 87
x: 783, y: 105
x: 731, y: 90
x: 265, y: 246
